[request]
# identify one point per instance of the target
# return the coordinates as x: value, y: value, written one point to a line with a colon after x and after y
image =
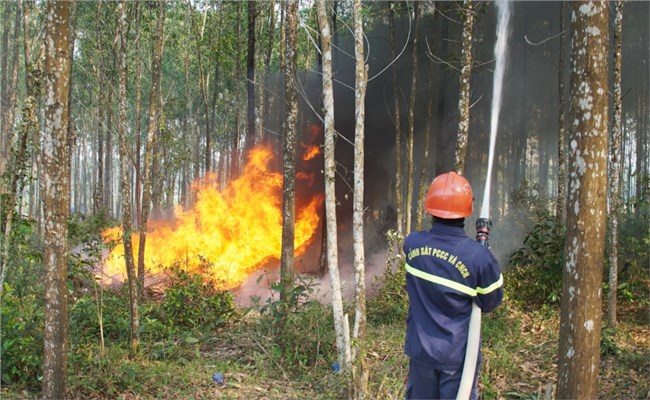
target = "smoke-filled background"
x: 526, y: 156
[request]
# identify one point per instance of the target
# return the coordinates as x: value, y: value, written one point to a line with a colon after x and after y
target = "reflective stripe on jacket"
x: 446, y: 271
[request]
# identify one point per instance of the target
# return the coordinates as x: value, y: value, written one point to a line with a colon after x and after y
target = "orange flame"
x: 311, y: 151
x: 228, y: 234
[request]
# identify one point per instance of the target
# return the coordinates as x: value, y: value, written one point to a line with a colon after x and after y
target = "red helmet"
x: 449, y: 196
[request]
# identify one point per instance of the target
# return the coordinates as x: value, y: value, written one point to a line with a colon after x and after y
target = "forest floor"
x: 519, y: 351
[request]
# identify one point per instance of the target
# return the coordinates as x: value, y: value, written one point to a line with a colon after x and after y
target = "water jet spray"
x: 483, y: 223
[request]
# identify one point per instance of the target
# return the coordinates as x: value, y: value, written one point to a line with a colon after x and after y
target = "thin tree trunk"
x: 188, y: 117
x: 581, y: 309
x: 138, y: 133
x: 640, y: 173
x: 264, y: 98
x: 234, y: 153
x: 203, y: 82
x: 360, y: 369
x: 147, y: 184
x: 560, y: 204
x: 411, y: 121
x: 465, y: 87
x: 289, y: 150
x: 125, y: 177
x: 250, y: 75
x: 108, y: 150
x: 4, y: 61
x: 17, y: 165
x: 615, y: 169
x: 398, y: 126
x: 98, y: 196
x: 56, y: 196
x: 341, y: 325
x: 422, y: 185
x: 12, y: 89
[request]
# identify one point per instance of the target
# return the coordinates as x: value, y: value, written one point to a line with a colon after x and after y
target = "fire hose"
x: 483, y: 226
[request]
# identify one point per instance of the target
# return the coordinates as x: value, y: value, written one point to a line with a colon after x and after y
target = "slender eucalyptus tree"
x: 9, y: 112
x: 581, y: 308
x: 250, y: 74
x: 147, y: 184
x: 465, y: 86
x: 4, y: 62
x: 265, y: 100
x: 18, y: 157
x: 289, y: 149
x: 360, y: 368
x: 138, y: 112
x: 55, y: 186
x: 125, y: 174
x: 424, y: 167
x: 560, y: 204
x: 341, y: 324
x: 99, y: 195
x: 411, y: 119
x: 615, y: 168
x: 398, y: 125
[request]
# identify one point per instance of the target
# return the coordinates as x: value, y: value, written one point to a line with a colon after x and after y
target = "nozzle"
x: 483, y: 226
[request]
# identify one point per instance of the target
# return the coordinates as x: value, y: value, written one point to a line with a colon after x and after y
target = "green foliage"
x: 192, y: 303
x: 536, y: 276
x: 608, y: 345
x: 390, y: 302
x: 314, y: 343
x: 83, y: 229
x: 84, y: 321
x: 633, y: 245
x: 25, y: 256
x: 288, y: 302
x: 22, y: 337
x: 108, y: 375
x: 21, y: 308
x: 282, y: 316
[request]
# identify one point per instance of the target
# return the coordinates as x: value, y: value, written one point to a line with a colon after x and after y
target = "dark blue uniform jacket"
x: 446, y: 271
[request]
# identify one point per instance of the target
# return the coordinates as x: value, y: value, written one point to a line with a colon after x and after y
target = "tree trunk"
x: 10, y: 112
x: 147, y: 184
x: 341, y: 325
x: 465, y: 86
x: 234, y: 153
x: 360, y: 369
x: 55, y: 186
x: 615, y: 168
x: 422, y: 185
x: 99, y: 200
x: 138, y: 133
x: 289, y: 150
x: 411, y: 122
x: 264, y: 99
x: 203, y: 83
x: 640, y: 156
x: 581, y: 310
x: 398, y: 126
x: 125, y: 176
x: 560, y: 204
x: 188, y: 120
x: 108, y: 150
x: 4, y: 61
x: 250, y: 75
x: 17, y: 164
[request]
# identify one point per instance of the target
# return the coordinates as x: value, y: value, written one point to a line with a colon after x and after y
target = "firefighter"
x: 446, y: 272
